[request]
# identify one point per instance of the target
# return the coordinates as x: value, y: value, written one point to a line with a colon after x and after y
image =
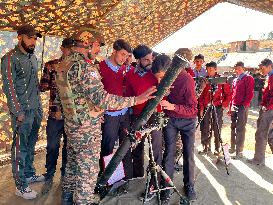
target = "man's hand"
x: 201, y: 112
x: 147, y: 95
x: 229, y: 112
x: 264, y: 109
x: 101, y: 119
x: 20, y: 118
x: 166, y: 105
x: 169, y: 91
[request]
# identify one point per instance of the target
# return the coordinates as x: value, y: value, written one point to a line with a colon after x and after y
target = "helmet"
x: 87, y: 36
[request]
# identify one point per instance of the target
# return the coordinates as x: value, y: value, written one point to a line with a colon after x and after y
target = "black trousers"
x: 186, y: 127
x: 138, y: 152
x: 262, y: 135
x: 208, y: 121
x: 112, y: 130
x: 238, y: 127
x: 54, y: 132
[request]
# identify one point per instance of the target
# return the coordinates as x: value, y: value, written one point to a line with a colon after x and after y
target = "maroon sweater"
x: 221, y: 96
x: 242, y: 90
x: 112, y: 81
x: 183, y: 96
x: 136, y: 84
x: 267, y: 100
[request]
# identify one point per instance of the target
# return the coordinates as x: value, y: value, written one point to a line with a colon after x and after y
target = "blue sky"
x: 225, y: 22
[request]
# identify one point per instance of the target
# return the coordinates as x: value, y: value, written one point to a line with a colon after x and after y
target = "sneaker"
x: 26, y: 193
x: 47, y: 186
x: 231, y: 150
x: 35, y: 178
x: 190, y: 192
x: 238, y: 156
x: 256, y: 162
x: 216, y: 153
x: 67, y: 198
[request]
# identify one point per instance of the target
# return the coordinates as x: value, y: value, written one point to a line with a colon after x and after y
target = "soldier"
x: 82, y: 96
x: 265, y: 116
x: 19, y: 69
x: 55, y: 121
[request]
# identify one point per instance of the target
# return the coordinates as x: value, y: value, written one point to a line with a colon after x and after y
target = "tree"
x: 270, y: 36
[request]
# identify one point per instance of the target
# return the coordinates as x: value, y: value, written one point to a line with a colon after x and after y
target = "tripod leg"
x: 219, y: 135
x: 183, y: 200
x: 153, y: 169
x: 147, y: 185
x: 154, y: 173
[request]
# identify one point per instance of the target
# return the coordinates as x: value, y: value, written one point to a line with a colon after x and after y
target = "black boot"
x: 271, y: 147
x: 67, y: 198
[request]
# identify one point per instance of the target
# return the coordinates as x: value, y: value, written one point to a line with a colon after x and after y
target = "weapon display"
x: 178, y: 63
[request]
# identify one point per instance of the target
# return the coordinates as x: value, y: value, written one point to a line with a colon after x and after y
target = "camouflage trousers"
x: 83, y: 153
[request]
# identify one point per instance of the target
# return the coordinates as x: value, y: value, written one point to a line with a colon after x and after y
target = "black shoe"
x: 165, y: 201
x: 256, y: 162
x: 178, y: 167
x: 190, y: 192
x: 150, y: 196
x: 165, y: 197
x: 205, y: 151
x: 67, y: 198
x: 47, y: 186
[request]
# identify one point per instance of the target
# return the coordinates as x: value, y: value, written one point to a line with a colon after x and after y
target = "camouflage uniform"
x: 81, y: 91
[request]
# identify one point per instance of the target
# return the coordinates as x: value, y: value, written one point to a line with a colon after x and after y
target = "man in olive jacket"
x: 19, y: 70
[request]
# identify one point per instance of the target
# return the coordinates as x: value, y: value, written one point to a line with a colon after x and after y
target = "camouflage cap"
x: 87, y: 36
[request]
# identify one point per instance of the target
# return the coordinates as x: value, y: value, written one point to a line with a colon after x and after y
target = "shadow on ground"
x: 246, y: 184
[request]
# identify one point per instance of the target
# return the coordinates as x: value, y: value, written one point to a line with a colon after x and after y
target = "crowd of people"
x: 92, y: 105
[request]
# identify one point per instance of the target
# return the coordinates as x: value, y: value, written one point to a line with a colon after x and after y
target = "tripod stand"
x: 214, y: 118
x: 152, y: 171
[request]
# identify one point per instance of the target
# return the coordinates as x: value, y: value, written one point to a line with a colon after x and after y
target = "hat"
x: 141, y: 51
x: 67, y: 42
x: 266, y: 62
x: 239, y: 63
x: 28, y: 30
x: 87, y: 36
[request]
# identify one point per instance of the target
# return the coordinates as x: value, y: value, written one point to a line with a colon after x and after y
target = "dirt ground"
x: 246, y: 184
